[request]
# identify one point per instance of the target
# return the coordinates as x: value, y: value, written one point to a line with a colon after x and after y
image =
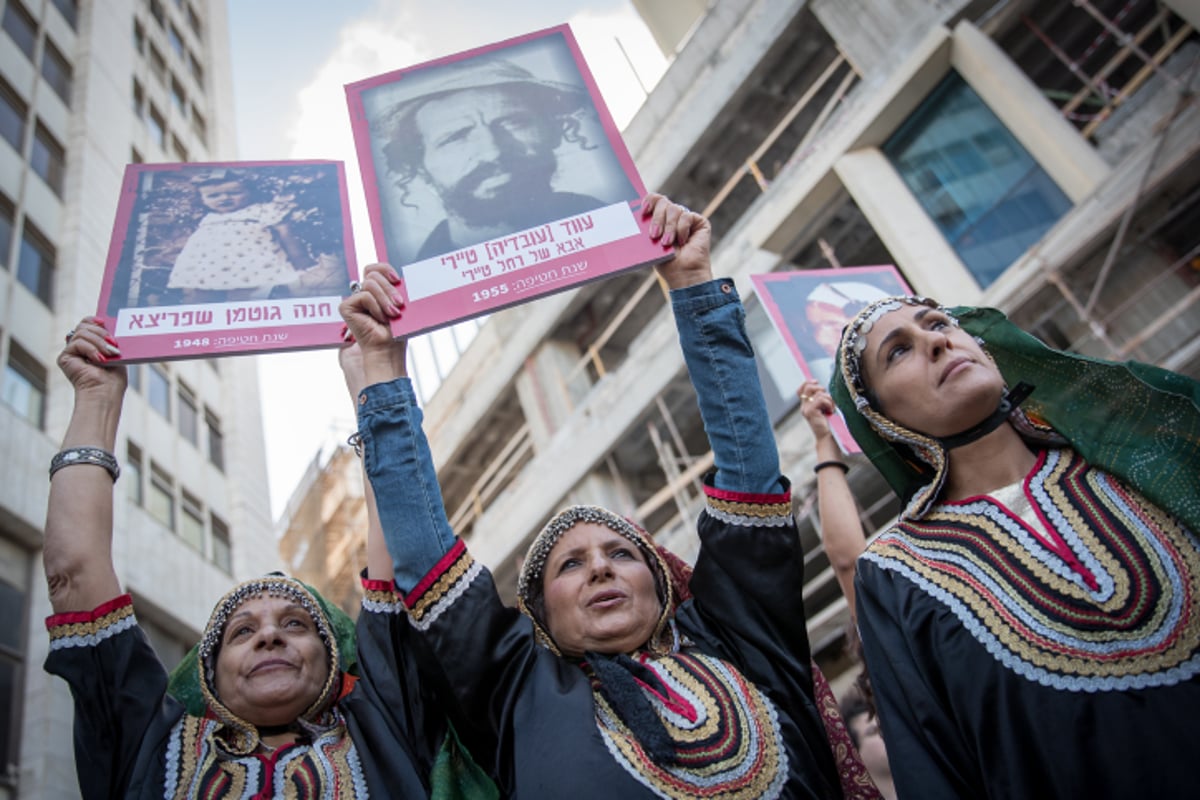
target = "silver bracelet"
x: 85, y: 455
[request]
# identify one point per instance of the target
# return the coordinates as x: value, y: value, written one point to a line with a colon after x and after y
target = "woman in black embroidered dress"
x: 1032, y: 621
x: 282, y: 697
x: 602, y: 691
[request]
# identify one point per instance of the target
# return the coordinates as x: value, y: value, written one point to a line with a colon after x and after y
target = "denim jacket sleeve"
x: 720, y: 362
x: 400, y: 467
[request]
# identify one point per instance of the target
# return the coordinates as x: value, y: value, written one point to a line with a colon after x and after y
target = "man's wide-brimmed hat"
x: 409, y: 93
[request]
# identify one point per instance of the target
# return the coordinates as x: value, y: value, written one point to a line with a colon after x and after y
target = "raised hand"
x: 673, y: 225
x: 86, y: 360
x: 817, y: 406
x: 368, y: 313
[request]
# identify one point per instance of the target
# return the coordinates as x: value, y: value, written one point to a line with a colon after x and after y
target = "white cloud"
x: 305, y: 405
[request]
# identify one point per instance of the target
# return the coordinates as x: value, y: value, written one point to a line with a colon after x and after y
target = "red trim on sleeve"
x: 452, y: 555
x: 747, y: 497
x: 77, y: 617
x: 377, y: 586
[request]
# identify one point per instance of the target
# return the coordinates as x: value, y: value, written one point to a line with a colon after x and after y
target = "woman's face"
x: 928, y: 374
x: 224, y: 198
x: 599, y: 592
x: 272, y: 664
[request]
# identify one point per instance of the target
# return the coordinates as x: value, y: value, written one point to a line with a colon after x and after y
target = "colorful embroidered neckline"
x: 727, y: 734
x: 1103, y: 598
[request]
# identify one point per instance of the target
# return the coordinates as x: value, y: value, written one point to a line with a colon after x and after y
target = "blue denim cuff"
x: 721, y: 364
x: 400, y: 467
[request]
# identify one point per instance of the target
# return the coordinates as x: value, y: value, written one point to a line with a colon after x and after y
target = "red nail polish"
x: 655, y: 231
x: 111, y: 341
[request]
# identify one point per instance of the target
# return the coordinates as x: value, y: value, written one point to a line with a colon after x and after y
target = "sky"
x: 291, y: 60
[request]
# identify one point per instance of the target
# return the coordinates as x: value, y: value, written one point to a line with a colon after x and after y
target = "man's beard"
x: 522, y: 198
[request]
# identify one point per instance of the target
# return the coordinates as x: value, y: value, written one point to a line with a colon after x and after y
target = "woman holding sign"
x: 604, y: 686
x: 284, y: 696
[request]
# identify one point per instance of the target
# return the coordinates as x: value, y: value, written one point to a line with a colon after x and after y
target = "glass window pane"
x: 57, y: 71
x: 48, y: 159
x: 20, y: 26
x: 25, y: 393
x: 176, y: 41
x: 160, y: 500
x: 158, y: 390
x: 222, y: 554
x: 216, y: 440
x: 987, y: 195
x: 10, y: 704
x: 12, y: 614
x: 158, y: 127
x: 132, y: 473
x: 191, y: 528
x: 35, y: 263
x: 188, y: 418
x: 69, y: 9
x: 12, y: 117
x: 6, y: 230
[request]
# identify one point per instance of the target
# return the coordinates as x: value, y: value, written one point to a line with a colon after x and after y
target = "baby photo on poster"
x: 250, y: 254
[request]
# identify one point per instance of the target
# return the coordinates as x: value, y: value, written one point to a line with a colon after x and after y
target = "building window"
x: 21, y: 27
x: 199, y: 126
x: 139, y: 38
x: 158, y: 127
x: 216, y: 440
x: 132, y: 473
x: 194, y: 22
x: 139, y: 98
x: 181, y: 153
x: 160, y: 500
x: 222, y: 548
x: 135, y: 377
x: 7, y: 225
x: 188, y: 417
x: 986, y: 194
x: 35, y: 264
x: 197, y: 70
x: 176, y: 41
x: 158, y: 64
x: 191, y: 524
x: 57, y: 71
x: 134, y: 156
x: 69, y: 9
x: 13, y: 593
x: 12, y: 116
x: 178, y: 97
x: 48, y: 159
x: 158, y: 390
x: 25, y: 386
x: 156, y: 11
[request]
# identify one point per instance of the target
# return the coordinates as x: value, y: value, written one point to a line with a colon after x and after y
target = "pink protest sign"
x: 494, y: 177
x: 228, y: 258
x: 809, y: 308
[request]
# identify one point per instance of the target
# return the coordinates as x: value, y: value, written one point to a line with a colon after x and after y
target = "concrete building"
x: 323, y: 530
x: 86, y: 87
x: 1039, y: 157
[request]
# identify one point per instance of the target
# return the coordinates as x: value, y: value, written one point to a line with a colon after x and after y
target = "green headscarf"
x: 1138, y: 422
x: 454, y: 775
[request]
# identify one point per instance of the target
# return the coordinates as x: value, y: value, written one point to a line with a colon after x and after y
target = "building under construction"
x: 1041, y: 157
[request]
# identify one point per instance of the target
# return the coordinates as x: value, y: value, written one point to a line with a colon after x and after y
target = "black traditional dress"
x: 1041, y: 641
x: 132, y: 739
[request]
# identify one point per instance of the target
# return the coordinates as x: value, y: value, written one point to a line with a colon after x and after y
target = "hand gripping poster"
x: 496, y: 176
x: 228, y: 258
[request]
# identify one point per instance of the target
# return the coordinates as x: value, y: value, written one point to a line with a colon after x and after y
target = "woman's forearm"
x: 77, y: 555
